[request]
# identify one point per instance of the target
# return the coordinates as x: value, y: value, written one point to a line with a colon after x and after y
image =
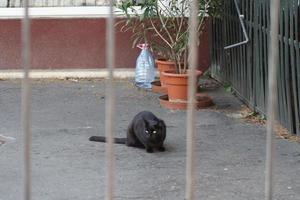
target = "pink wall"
x: 71, y: 44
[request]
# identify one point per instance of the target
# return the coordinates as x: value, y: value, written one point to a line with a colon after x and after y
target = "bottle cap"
x: 143, y: 46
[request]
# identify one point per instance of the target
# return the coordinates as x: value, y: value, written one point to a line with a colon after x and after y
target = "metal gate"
x: 245, y: 67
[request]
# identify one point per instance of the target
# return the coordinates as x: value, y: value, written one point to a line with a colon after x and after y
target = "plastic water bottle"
x: 144, y: 71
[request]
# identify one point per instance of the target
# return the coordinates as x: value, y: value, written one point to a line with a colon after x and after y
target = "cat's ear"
x: 162, y: 124
x: 146, y: 123
x: 163, y: 129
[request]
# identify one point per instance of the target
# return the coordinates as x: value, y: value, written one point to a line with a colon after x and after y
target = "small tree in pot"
x: 164, y: 25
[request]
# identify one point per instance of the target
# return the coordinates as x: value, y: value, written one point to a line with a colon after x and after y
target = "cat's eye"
x: 147, y: 131
x: 154, y: 132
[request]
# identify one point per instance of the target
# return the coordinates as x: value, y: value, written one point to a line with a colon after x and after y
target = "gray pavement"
x: 66, y: 166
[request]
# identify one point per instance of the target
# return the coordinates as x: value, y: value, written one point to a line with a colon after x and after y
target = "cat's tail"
x: 103, y: 139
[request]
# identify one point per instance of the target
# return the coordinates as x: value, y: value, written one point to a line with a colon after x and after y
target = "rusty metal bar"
x: 110, y: 104
x: 193, y: 58
x: 26, y: 102
x: 272, y: 97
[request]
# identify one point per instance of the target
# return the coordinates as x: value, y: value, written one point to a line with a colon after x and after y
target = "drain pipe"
x: 241, y: 17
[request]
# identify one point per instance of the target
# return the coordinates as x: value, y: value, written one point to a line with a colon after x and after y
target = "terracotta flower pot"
x: 156, y: 87
x: 164, y: 65
x: 202, y: 101
x: 177, y: 85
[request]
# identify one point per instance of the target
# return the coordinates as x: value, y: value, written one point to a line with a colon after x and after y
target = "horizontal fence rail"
x: 245, y: 67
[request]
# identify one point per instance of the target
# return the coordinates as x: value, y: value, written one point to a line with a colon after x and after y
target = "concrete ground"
x: 66, y: 166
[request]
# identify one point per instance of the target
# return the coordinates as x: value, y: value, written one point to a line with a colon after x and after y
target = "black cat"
x: 145, y: 131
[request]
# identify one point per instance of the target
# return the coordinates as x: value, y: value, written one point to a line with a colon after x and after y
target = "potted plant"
x: 166, y: 22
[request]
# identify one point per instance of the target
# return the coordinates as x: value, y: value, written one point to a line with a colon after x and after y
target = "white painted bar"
x: 110, y: 106
x: 64, y: 74
x: 26, y: 104
x: 191, y: 129
x: 272, y: 97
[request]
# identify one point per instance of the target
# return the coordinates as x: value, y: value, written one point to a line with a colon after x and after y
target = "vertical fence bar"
x: 255, y: 61
x: 294, y: 97
x: 260, y: 66
x: 287, y: 68
x: 190, y: 162
x: 282, y: 85
x: 297, y: 49
x: 272, y: 97
x: 265, y: 26
x: 110, y: 103
x: 26, y: 102
x: 248, y: 52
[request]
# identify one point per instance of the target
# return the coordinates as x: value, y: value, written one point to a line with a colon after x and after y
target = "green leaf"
x: 228, y: 88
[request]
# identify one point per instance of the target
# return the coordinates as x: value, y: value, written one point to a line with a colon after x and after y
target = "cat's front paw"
x: 161, y: 149
x: 149, y: 150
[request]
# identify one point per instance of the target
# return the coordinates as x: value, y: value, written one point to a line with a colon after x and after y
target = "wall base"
x: 67, y: 73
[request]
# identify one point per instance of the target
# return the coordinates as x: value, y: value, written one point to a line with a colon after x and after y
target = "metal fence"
x: 245, y: 68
